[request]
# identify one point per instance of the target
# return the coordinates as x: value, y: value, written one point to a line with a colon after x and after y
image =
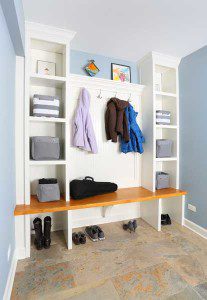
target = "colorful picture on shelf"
x: 91, y: 68
x: 120, y: 73
x: 45, y: 68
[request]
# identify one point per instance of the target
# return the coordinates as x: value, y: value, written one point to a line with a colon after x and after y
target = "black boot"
x: 38, y: 233
x: 47, y: 231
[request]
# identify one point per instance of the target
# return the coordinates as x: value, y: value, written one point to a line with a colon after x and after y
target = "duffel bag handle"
x: 89, y: 178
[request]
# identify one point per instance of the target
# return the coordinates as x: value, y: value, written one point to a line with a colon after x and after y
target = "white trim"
x: 10, y: 279
x: 105, y: 220
x: 105, y: 84
x: 21, y: 253
x: 196, y: 228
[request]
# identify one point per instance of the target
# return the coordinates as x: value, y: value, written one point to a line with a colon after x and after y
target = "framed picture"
x: 120, y: 73
x: 91, y: 68
x: 46, y: 68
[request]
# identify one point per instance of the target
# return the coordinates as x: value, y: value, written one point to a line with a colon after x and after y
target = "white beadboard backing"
x: 109, y: 164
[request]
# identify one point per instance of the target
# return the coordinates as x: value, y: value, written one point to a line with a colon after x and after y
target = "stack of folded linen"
x: 46, y: 106
x: 163, y: 117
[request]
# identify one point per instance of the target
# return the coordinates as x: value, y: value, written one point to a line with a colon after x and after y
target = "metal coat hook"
x: 129, y: 99
x: 99, y: 95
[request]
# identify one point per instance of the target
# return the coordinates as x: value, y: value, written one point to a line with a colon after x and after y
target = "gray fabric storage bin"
x: 48, y: 192
x: 163, y: 148
x: 162, y: 180
x: 45, y: 148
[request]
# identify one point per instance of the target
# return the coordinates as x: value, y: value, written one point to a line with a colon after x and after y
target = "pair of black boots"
x: 40, y: 239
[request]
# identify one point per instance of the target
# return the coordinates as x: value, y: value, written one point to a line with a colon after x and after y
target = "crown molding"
x: 49, y: 33
x: 162, y: 59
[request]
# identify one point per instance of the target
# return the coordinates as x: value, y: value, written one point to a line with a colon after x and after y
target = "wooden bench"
x: 152, y: 205
x: 121, y: 196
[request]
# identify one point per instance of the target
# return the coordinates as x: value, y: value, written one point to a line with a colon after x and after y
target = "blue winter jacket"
x: 136, y: 136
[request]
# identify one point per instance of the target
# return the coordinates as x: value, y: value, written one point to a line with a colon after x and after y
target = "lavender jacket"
x: 83, y: 132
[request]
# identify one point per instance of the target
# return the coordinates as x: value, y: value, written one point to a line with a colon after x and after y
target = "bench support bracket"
x: 106, y: 210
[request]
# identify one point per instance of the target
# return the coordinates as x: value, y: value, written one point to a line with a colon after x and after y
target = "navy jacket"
x: 136, y: 136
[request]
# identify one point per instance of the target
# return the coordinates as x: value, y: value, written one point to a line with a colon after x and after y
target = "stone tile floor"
x: 171, y: 264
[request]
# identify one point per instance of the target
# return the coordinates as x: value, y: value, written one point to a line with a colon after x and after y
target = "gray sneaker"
x: 92, y: 233
x: 101, y: 235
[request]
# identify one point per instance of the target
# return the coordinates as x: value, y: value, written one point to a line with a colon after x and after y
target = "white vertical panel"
x: 151, y: 213
x: 146, y: 77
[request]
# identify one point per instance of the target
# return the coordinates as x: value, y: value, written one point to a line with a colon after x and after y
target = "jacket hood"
x: 120, y: 104
x: 84, y: 98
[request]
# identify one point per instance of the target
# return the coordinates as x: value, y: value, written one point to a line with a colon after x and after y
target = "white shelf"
x: 166, y: 159
x: 47, y: 80
x: 157, y: 93
x: 47, y: 162
x: 47, y: 120
x: 167, y: 126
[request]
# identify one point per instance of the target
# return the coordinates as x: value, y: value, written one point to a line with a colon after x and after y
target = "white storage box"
x: 163, y: 117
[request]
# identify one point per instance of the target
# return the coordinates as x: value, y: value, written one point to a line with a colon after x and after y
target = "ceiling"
x: 126, y: 29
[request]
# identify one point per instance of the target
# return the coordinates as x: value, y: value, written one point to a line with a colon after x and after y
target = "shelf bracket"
x: 106, y: 210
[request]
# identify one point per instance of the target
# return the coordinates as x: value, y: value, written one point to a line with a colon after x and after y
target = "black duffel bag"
x: 87, y: 187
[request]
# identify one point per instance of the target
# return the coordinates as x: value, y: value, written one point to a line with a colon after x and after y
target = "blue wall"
x: 14, y: 15
x: 80, y: 59
x: 7, y: 154
x: 193, y: 133
x: 10, y: 46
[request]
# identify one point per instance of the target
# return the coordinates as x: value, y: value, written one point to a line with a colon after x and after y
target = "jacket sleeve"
x: 78, y: 140
x: 110, y: 119
x: 91, y: 135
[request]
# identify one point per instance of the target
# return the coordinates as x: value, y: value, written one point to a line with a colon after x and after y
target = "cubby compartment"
x: 169, y: 134
x: 167, y: 103
x: 47, y: 171
x: 51, y: 129
x: 56, y: 90
x: 169, y: 167
x: 165, y: 79
x: 174, y: 208
x: 42, y: 52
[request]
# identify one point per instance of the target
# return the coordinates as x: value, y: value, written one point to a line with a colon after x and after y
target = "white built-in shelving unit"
x: 166, y: 98
x: 50, y: 44
x: 165, y: 67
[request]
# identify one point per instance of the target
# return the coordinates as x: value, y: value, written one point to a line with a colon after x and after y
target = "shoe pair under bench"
x: 79, y: 238
x: 95, y: 233
x: 131, y: 226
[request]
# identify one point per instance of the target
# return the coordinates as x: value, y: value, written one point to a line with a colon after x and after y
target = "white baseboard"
x: 196, y: 228
x: 10, y: 279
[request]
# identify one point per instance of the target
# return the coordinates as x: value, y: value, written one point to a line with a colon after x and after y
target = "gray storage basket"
x: 48, y: 192
x: 162, y: 180
x: 45, y: 148
x: 163, y: 148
